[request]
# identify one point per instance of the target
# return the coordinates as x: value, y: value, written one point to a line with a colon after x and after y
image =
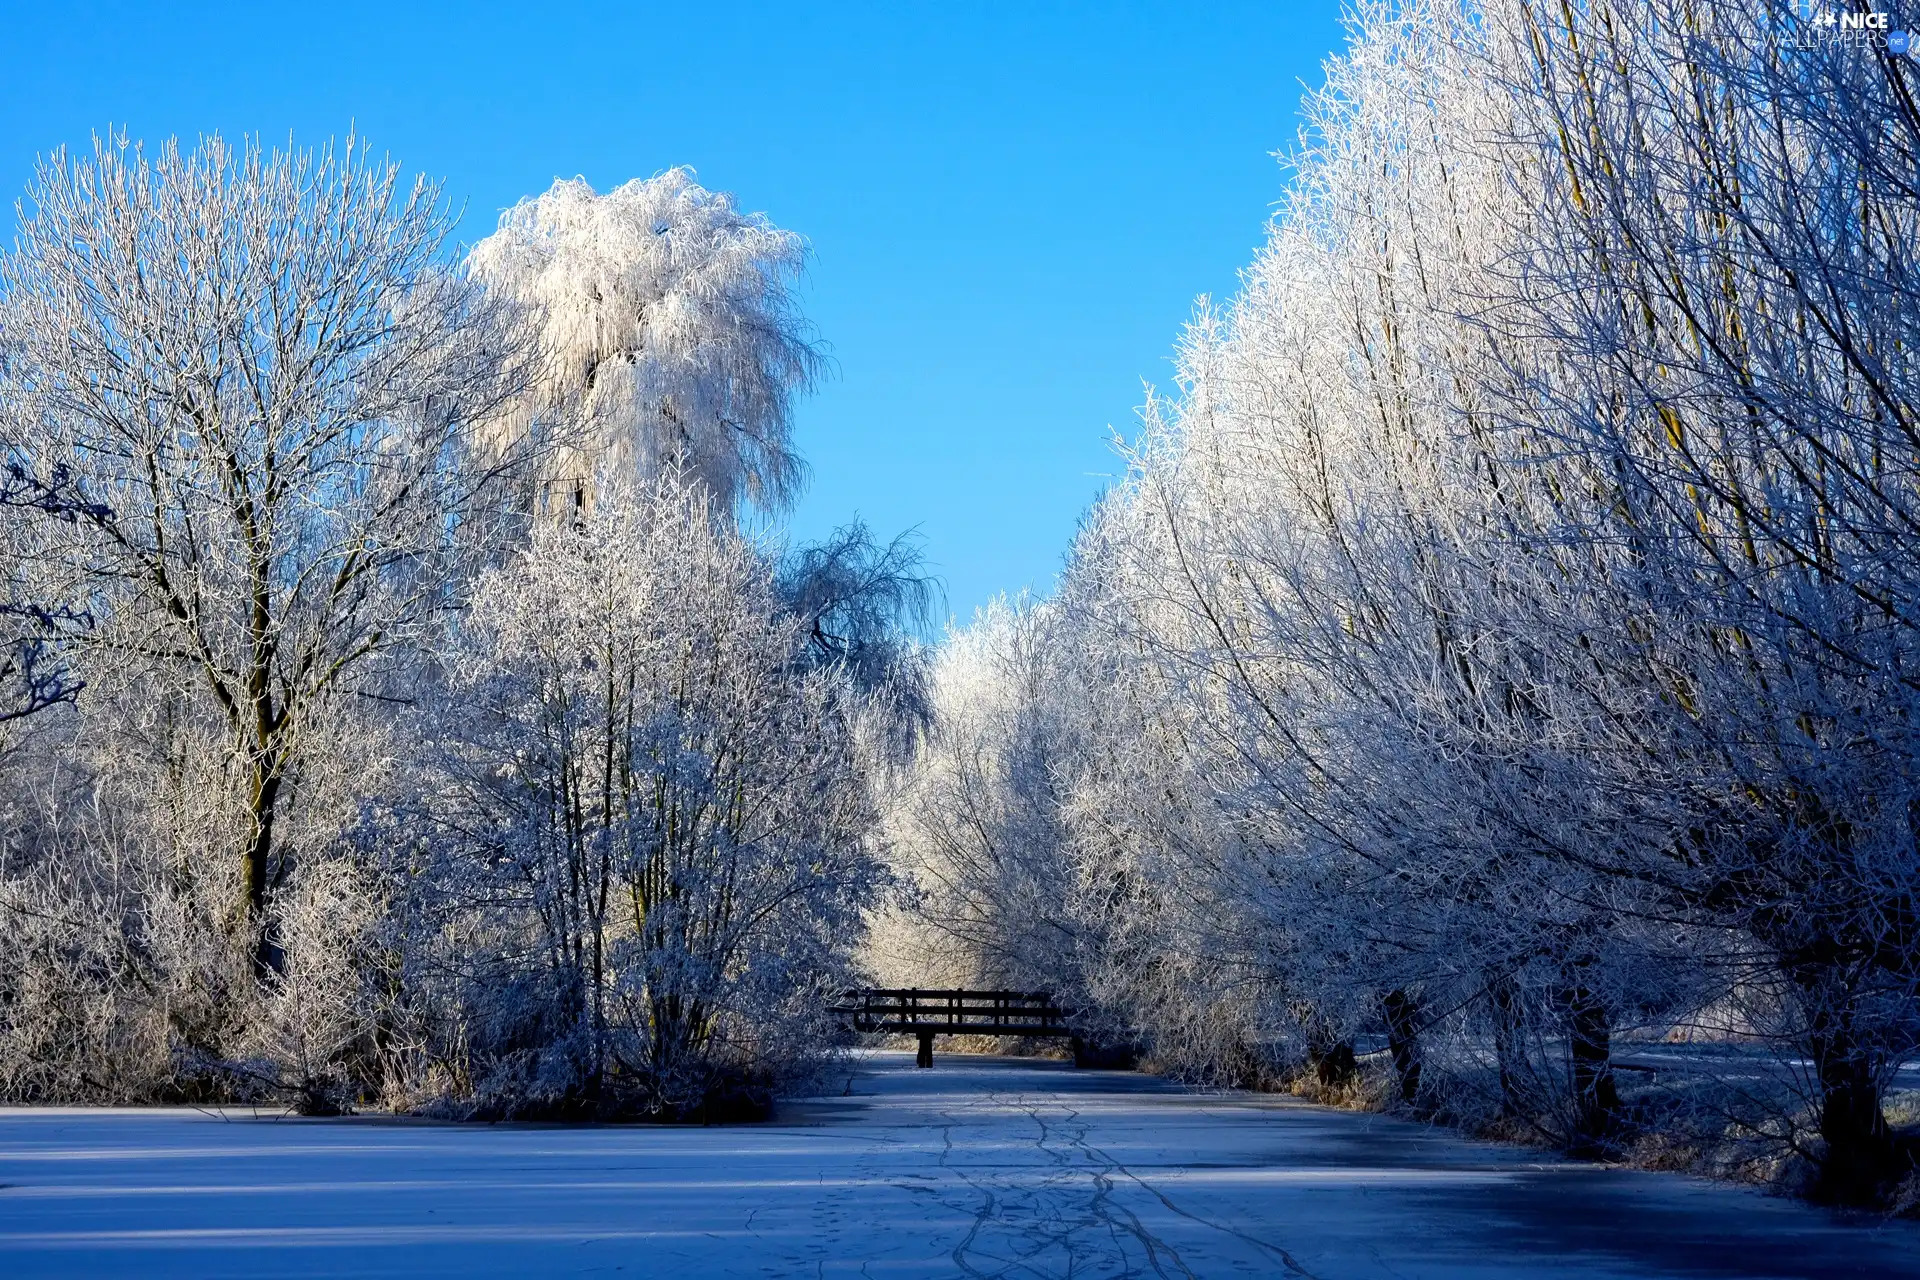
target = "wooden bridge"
x: 926, y: 1014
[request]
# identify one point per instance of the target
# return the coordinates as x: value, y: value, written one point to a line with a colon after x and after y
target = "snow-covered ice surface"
x: 980, y: 1167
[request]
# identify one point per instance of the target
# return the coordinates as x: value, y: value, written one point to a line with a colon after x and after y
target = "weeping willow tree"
x: 669, y: 331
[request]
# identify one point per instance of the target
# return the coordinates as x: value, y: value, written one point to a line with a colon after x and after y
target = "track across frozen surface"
x: 979, y: 1167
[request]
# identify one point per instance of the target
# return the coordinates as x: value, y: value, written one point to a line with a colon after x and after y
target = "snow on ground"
x: 981, y: 1167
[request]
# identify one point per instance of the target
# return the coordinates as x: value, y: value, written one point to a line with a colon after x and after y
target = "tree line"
x: 401, y: 711
x: 1491, y: 692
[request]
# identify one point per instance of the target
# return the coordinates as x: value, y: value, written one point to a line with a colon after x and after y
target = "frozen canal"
x: 981, y: 1167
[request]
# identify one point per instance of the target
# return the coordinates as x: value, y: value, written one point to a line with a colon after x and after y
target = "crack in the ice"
x: 1022, y: 1213
x: 1286, y: 1259
x: 973, y: 1233
x: 959, y: 1253
x: 1103, y: 1204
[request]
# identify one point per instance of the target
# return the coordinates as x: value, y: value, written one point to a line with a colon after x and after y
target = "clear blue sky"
x: 1012, y: 207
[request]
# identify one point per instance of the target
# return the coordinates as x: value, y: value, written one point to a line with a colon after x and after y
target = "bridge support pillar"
x: 925, y: 1057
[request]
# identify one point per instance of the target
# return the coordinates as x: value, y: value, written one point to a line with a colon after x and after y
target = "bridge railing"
x: 952, y: 1011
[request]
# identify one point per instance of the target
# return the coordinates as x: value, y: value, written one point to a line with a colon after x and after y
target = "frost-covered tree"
x: 1729, y: 257
x: 978, y: 823
x: 670, y: 336
x: 264, y: 377
x: 859, y: 597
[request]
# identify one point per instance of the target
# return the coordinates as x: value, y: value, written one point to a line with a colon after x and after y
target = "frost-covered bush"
x: 125, y: 978
x: 649, y: 833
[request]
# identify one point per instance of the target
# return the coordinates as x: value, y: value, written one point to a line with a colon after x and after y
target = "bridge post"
x: 925, y: 1057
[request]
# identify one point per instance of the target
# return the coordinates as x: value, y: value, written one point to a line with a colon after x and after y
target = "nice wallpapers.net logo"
x: 1871, y: 29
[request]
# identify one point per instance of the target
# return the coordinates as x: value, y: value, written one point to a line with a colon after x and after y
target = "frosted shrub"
x: 651, y: 829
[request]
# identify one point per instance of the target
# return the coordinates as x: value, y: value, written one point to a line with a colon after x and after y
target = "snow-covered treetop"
x: 670, y: 332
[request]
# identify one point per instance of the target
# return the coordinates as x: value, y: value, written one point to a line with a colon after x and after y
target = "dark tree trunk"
x: 267, y: 956
x: 1506, y: 1041
x: 1403, y: 1023
x: 1863, y: 1158
x: 1596, y: 1096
